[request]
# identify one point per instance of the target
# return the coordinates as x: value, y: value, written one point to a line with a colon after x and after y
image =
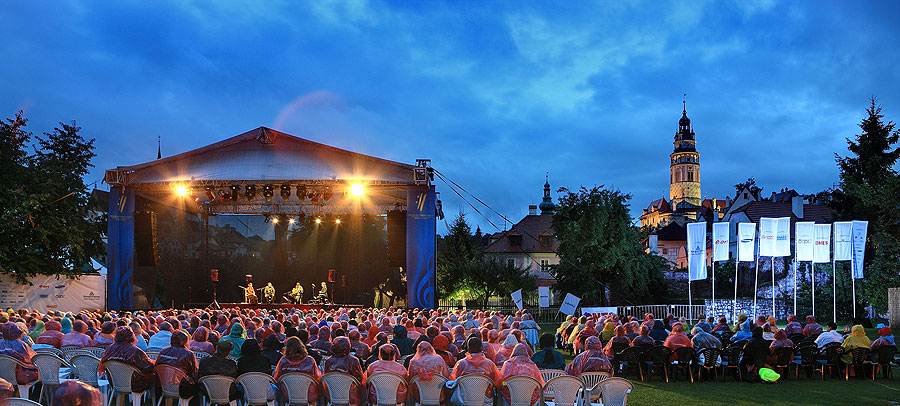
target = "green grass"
x: 859, y: 392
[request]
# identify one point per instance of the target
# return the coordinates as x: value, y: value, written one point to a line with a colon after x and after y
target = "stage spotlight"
x: 234, y: 193
x: 357, y: 189
x: 274, y: 220
x: 301, y: 192
x: 250, y: 192
x: 291, y: 220
x: 181, y: 190
x: 268, y: 218
x: 285, y: 192
x: 328, y: 194
x: 318, y: 220
x: 268, y: 192
x: 337, y: 221
x: 209, y: 193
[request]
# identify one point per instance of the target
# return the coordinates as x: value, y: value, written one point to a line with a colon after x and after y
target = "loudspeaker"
x: 146, y: 239
x: 396, y: 238
x: 214, y: 275
x: 331, y: 276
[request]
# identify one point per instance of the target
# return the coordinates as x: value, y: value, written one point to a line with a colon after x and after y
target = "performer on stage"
x: 297, y: 293
x: 323, y: 293
x: 250, y: 294
x: 269, y: 293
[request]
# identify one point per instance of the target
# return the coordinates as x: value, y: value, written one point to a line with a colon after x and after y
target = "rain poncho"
x: 105, y: 337
x: 618, y: 338
x: 74, y: 392
x: 856, y: 339
x: 37, y: 331
x: 644, y: 338
x: 745, y: 332
x: 360, y: 348
x: 573, y: 335
x: 342, y: 361
x: 65, y: 325
x: 531, y: 329
x: 812, y: 328
x: 520, y: 365
x: 52, y: 336
x: 426, y: 363
x: 658, y: 332
x: 441, y: 345
x: 236, y: 336
x: 322, y: 341
x: 251, y: 358
x: 387, y: 362
x: 75, y: 337
x: 177, y: 355
x: 12, y: 345
x: 509, y: 344
x: 781, y: 340
x: 702, y: 339
x: 404, y: 344
x: 124, y: 350
x: 886, y: 338
x: 589, y: 330
x: 200, y: 341
x: 476, y: 362
x: 296, y: 360
x: 591, y: 360
x: 609, y: 330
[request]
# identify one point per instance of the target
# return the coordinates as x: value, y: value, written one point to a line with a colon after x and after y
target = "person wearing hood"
x: 178, y: 355
x: 476, y: 362
x: 37, y: 330
x: 323, y: 340
x: 658, y: 332
x: 297, y: 360
x: 387, y: 362
x: 162, y: 338
x: 756, y: 352
x: 440, y: 346
x: 677, y: 339
x: 12, y: 346
x: 721, y: 326
x: 272, y: 349
x: 403, y: 343
x: 342, y: 361
x: 425, y: 364
x: 65, y: 325
x: 124, y: 350
x: 236, y: 336
x: 76, y: 393
x: 509, y: 344
x: 856, y: 339
x: 520, y: 365
x: 252, y: 359
x: 548, y: 357
x: 885, y: 338
x: 745, y: 332
x: 105, y: 337
x: 76, y: 337
x: 200, y: 341
x: 793, y: 326
x: 643, y: 338
x: 619, y: 338
x: 357, y: 346
x: 701, y: 339
x: 531, y: 329
x: 592, y: 359
x: 590, y: 329
x: 52, y: 336
x: 608, y: 332
x: 812, y: 329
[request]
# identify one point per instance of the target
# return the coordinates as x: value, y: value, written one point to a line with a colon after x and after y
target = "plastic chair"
x: 711, y: 359
x: 615, y: 391
x: 549, y: 374
x: 95, y: 351
x: 429, y: 391
x: 338, y: 386
x: 48, y: 365
x: 808, y: 353
x: 119, y: 375
x: 591, y: 380
x: 201, y: 355
x: 784, y: 358
x: 86, y: 368
x: 861, y: 358
x: 218, y: 389
x: 884, y: 356
x: 8, y: 372
x: 70, y: 353
x: 49, y: 350
x: 69, y: 348
x: 733, y: 355
x: 256, y: 387
x: 169, y: 379
x: 521, y: 389
x: 472, y: 387
x: 564, y: 390
x: 830, y: 357
x: 658, y: 356
x: 18, y: 402
x: 683, y: 360
x: 152, y: 354
x: 386, y: 385
x: 630, y: 358
x: 297, y: 386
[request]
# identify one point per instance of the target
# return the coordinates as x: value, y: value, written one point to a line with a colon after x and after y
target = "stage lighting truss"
x: 210, y: 196
x: 235, y: 189
x: 285, y: 192
x: 268, y: 192
x: 301, y: 192
x: 250, y: 192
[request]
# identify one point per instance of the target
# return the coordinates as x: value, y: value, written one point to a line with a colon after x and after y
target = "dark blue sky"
x: 496, y: 95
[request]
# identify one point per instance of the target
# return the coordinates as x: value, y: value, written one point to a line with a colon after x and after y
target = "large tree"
x: 600, y: 247
x: 868, y: 190
x: 46, y: 228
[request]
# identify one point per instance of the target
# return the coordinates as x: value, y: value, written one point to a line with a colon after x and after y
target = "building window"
x: 515, y: 241
x: 545, y: 265
x: 690, y: 174
x: 665, y: 251
x: 546, y: 241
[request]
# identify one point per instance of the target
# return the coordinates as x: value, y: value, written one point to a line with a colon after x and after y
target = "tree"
x: 750, y: 186
x: 46, y: 228
x: 868, y: 190
x: 600, y: 247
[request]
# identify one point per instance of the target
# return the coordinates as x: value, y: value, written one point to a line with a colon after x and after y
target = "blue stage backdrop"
x: 420, y: 234
x: 120, y: 249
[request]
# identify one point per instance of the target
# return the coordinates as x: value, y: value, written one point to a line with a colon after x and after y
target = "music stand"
x: 214, y: 278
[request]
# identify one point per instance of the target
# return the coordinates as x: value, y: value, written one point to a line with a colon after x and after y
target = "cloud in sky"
x: 496, y: 94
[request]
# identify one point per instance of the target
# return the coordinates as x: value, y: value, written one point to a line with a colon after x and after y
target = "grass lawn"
x: 856, y: 391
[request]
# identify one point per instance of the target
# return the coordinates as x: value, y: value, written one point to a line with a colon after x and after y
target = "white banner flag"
x: 570, y: 303
x: 804, y: 239
x: 543, y: 296
x: 767, y: 229
x: 653, y: 243
x: 822, y: 250
x: 720, y: 241
x: 696, y: 240
x: 843, y: 240
x: 783, y: 237
x: 746, y: 241
x: 859, y: 248
x: 517, y: 298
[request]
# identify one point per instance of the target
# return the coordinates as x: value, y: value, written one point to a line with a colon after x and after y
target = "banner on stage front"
x: 843, y: 240
x: 543, y: 296
x: 783, y: 237
x: 517, y: 298
x: 859, y: 248
x: 46, y: 293
x: 746, y: 241
x: 696, y: 240
x: 599, y: 311
x: 804, y: 240
x: 569, y: 304
x: 822, y: 250
x: 720, y: 241
x: 767, y: 229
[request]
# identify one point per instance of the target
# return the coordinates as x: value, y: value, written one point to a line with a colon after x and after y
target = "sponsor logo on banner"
x: 767, y: 229
x: 843, y: 242
x: 783, y: 237
x: 804, y: 241
x: 860, y: 229
x: 696, y: 235
x: 720, y: 241
x: 746, y: 237
x: 822, y: 249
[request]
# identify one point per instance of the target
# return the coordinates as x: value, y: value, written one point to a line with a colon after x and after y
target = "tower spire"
x: 684, y: 103
x: 158, y: 147
x: 547, y: 206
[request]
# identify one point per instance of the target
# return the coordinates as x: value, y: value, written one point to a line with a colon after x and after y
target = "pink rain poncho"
x: 342, y: 361
x: 520, y: 365
x: 426, y: 363
x: 124, y: 350
x: 323, y: 340
x: 297, y: 360
x: 177, y: 355
x: 12, y: 345
x: 591, y: 360
x: 509, y: 344
x: 52, y: 335
x: 200, y: 341
x: 387, y: 362
x: 476, y: 362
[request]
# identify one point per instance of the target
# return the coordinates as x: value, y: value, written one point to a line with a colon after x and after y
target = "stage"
x: 282, y: 306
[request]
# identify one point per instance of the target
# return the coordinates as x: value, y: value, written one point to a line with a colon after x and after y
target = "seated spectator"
x: 342, y: 361
x: 387, y: 362
x: 856, y: 339
x: 721, y: 326
x: 591, y: 360
x: 476, y: 362
x: 12, y: 346
x: 703, y: 324
x: 830, y: 336
x: 426, y: 363
x: 741, y: 318
x: 793, y: 326
x: 219, y: 364
x: 200, y: 341
x: 609, y: 331
x: 756, y: 352
x: 322, y: 341
x: 124, y: 350
x: 237, y: 337
x: 297, y: 360
x: 357, y: 346
x: 677, y: 338
x: 630, y: 332
x: 644, y: 338
x: 509, y: 344
x: 658, y: 332
x: 812, y: 329
x: 52, y: 335
x: 781, y: 340
x: 105, y: 337
x: 76, y: 337
x: 252, y: 359
x: 177, y: 355
x: 272, y: 349
x: 768, y: 333
x: 618, y: 338
x: 520, y: 365
x: 531, y: 329
x: 76, y: 393
x: 745, y: 332
x: 885, y: 338
x: 36, y: 330
x: 701, y: 339
x: 403, y: 343
x: 441, y: 346
x: 139, y: 336
x: 162, y: 338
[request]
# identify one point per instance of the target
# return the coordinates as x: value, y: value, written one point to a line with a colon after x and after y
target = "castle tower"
x: 684, y: 181
x: 547, y: 206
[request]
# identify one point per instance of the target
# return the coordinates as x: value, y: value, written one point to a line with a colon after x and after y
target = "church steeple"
x: 547, y: 206
x: 684, y: 183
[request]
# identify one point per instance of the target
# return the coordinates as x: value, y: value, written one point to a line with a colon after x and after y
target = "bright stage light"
x: 181, y: 191
x: 357, y: 189
x: 291, y: 220
x: 275, y: 220
x: 337, y: 221
x: 318, y: 220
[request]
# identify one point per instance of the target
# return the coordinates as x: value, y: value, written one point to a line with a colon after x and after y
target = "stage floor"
x: 285, y: 306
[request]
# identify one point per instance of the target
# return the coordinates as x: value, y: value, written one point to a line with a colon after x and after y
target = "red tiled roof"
x: 811, y: 212
x: 530, y: 228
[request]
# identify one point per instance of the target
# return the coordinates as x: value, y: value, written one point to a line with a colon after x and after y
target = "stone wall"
x: 723, y: 307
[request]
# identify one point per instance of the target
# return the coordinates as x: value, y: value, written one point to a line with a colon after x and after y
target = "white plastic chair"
x: 8, y: 372
x: 297, y: 386
x: 218, y: 389
x: 18, y: 402
x: 429, y: 391
x: 256, y: 386
x: 170, y: 379
x: 615, y: 391
x: 591, y: 379
x: 119, y: 374
x: 338, y: 386
x: 549, y: 374
x: 152, y: 353
x: 86, y: 368
x: 521, y: 389
x: 95, y: 351
x: 386, y: 385
x: 473, y: 387
x: 48, y: 365
x: 563, y: 390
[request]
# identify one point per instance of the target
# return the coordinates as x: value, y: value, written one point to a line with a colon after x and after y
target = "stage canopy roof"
x: 265, y: 158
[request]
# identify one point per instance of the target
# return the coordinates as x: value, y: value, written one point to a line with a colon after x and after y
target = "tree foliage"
x: 868, y: 190
x: 750, y: 186
x: 45, y: 226
x: 599, y: 246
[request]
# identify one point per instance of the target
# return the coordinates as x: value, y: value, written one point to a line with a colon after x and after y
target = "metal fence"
x: 506, y: 305
x: 660, y: 311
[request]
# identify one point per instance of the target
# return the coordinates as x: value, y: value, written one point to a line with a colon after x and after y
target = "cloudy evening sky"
x: 495, y: 93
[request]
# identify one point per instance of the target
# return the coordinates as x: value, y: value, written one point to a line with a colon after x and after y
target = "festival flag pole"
x: 853, y: 284
x: 833, y: 292
x: 813, y: 273
x: 773, y: 286
x: 734, y: 305
x: 690, y: 301
x: 713, y: 299
x: 756, y: 278
x: 795, y: 266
